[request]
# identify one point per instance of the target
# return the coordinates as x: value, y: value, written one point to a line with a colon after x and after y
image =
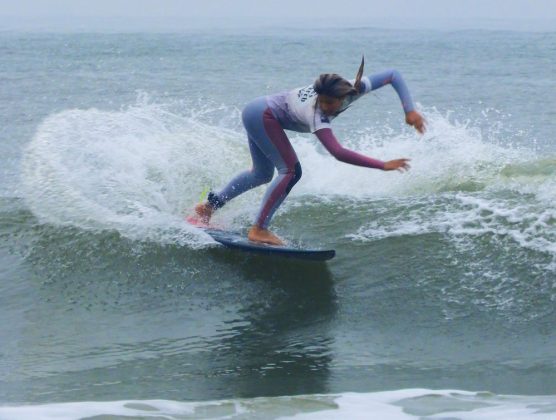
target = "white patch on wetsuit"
x: 305, y: 115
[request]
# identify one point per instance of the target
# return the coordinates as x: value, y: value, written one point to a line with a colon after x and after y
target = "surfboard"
x: 237, y: 240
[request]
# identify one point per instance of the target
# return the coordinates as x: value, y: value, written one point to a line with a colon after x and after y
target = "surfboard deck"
x: 237, y: 240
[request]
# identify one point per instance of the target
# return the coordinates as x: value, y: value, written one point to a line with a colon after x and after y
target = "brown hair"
x: 334, y: 85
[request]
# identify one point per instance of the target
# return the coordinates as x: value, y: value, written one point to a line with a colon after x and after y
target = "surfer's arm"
x: 394, y: 78
x: 329, y: 141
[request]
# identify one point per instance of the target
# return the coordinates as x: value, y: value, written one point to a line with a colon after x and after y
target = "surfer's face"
x: 329, y: 104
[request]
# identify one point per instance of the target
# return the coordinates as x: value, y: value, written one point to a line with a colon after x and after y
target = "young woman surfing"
x: 307, y: 110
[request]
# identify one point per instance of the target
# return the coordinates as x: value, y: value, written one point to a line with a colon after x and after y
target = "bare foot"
x: 204, y: 212
x: 258, y: 234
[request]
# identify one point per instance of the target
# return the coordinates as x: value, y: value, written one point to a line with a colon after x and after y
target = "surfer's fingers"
x: 404, y: 167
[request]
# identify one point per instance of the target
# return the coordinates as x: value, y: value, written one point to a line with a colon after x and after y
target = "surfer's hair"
x: 334, y: 85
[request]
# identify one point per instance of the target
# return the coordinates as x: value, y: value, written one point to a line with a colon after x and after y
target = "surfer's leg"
x: 280, y: 151
x: 266, y: 133
x: 260, y: 173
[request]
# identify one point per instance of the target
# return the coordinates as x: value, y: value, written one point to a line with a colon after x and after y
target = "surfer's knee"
x: 263, y: 176
x: 298, y: 172
x: 295, y: 174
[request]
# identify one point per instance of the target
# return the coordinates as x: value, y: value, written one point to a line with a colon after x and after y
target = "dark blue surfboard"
x: 239, y: 241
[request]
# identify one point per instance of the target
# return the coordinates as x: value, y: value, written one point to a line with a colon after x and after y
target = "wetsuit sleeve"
x: 394, y: 78
x: 328, y: 139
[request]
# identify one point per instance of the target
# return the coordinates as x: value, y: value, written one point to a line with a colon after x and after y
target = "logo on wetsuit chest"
x: 306, y: 93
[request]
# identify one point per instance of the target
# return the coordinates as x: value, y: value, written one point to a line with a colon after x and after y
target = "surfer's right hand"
x: 416, y: 120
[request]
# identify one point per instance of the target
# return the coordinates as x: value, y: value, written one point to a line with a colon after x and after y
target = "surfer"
x: 308, y: 109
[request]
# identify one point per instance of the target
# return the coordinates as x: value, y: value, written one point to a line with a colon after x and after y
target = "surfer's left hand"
x: 416, y: 120
x: 401, y: 165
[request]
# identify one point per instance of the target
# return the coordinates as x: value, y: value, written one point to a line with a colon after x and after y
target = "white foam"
x: 450, y: 156
x: 387, y: 405
x: 416, y: 403
x: 460, y: 215
x: 136, y: 171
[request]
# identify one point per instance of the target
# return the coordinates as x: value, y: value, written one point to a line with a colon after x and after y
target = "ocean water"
x: 440, y: 302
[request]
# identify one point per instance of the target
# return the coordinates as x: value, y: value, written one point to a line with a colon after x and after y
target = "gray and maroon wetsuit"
x: 265, y: 120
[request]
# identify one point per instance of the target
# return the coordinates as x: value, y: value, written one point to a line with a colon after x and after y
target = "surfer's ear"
x: 357, y: 84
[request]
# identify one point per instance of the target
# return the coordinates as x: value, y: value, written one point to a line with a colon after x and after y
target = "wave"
x: 140, y: 169
x: 399, y: 404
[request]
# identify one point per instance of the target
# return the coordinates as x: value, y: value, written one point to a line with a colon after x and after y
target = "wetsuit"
x: 265, y: 120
